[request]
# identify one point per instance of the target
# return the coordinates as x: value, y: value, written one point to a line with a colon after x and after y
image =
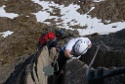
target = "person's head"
x: 60, y: 33
x: 81, y: 47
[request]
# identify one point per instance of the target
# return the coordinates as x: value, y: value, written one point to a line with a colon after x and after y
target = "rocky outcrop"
x: 11, y: 70
x: 38, y: 69
x: 111, y: 52
x: 111, y: 57
x: 34, y: 69
x: 74, y: 72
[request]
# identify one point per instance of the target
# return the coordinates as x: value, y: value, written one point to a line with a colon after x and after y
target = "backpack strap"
x: 73, y: 50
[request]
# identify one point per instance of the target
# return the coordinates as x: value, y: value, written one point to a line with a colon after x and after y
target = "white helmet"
x: 81, y: 47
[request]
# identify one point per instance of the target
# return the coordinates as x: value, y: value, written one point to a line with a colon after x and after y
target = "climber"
x: 50, y: 39
x: 73, y: 49
x: 77, y: 47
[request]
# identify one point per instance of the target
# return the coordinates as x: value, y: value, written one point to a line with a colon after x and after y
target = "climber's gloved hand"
x: 78, y: 57
x: 73, y: 57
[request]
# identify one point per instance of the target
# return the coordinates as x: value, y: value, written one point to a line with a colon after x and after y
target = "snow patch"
x: 70, y: 17
x: 6, y: 34
x: 3, y: 13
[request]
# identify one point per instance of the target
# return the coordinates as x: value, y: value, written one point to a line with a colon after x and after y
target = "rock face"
x: 74, y: 72
x: 15, y: 68
x: 110, y: 54
x: 32, y: 70
x: 112, y: 50
x: 37, y: 69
